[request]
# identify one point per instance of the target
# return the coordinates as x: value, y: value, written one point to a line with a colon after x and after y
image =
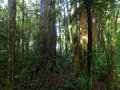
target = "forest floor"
x: 56, y: 81
x: 60, y: 79
x: 99, y: 85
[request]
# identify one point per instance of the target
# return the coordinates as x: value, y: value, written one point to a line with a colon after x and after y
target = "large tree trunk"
x: 11, y: 41
x: 51, y: 31
x: 42, y: 37
x: 47, y: 32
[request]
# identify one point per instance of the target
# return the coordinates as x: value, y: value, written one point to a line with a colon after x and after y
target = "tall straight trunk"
x: 42, y: 36
x: 60, y: 44
x: 99, y: 24
x: 23, y: 27
x: 47, y: 32
x: 27, y: 38
x: 17, y: 46
x: 68, y: 24
x: 112, y: 59
x: 88, y: 4
x: 37, y: 27
x: 51, y: 30
x: 108, y: 55
x: 76, y: 44
x: 11, y: 42
x: 65, y: 30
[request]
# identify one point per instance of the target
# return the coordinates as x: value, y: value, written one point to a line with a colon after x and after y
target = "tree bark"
x: 23, y: 36
x: 47, y: 32
x: 11, y: 42
x: 88, y: 4
x: 51, y: 31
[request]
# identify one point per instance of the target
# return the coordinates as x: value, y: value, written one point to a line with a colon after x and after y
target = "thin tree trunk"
x: 113, y: 63
x: 88, y: 4
x: 60, y: 44
x: 27, y: 38
x: 23, y: 27
x: 11, y: 42
x: 65, y: 30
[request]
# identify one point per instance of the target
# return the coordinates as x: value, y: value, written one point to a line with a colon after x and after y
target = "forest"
x: 59, y: 44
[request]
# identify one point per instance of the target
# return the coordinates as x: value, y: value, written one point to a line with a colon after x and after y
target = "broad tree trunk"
x: 42, y: 37
x: 47, y: 32
x: 51, y: 31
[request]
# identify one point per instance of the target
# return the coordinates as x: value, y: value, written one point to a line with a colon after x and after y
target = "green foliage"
x: 3, y: 41
x: 65, y: 60
x: 79, y: 82
x: 99, y: 62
